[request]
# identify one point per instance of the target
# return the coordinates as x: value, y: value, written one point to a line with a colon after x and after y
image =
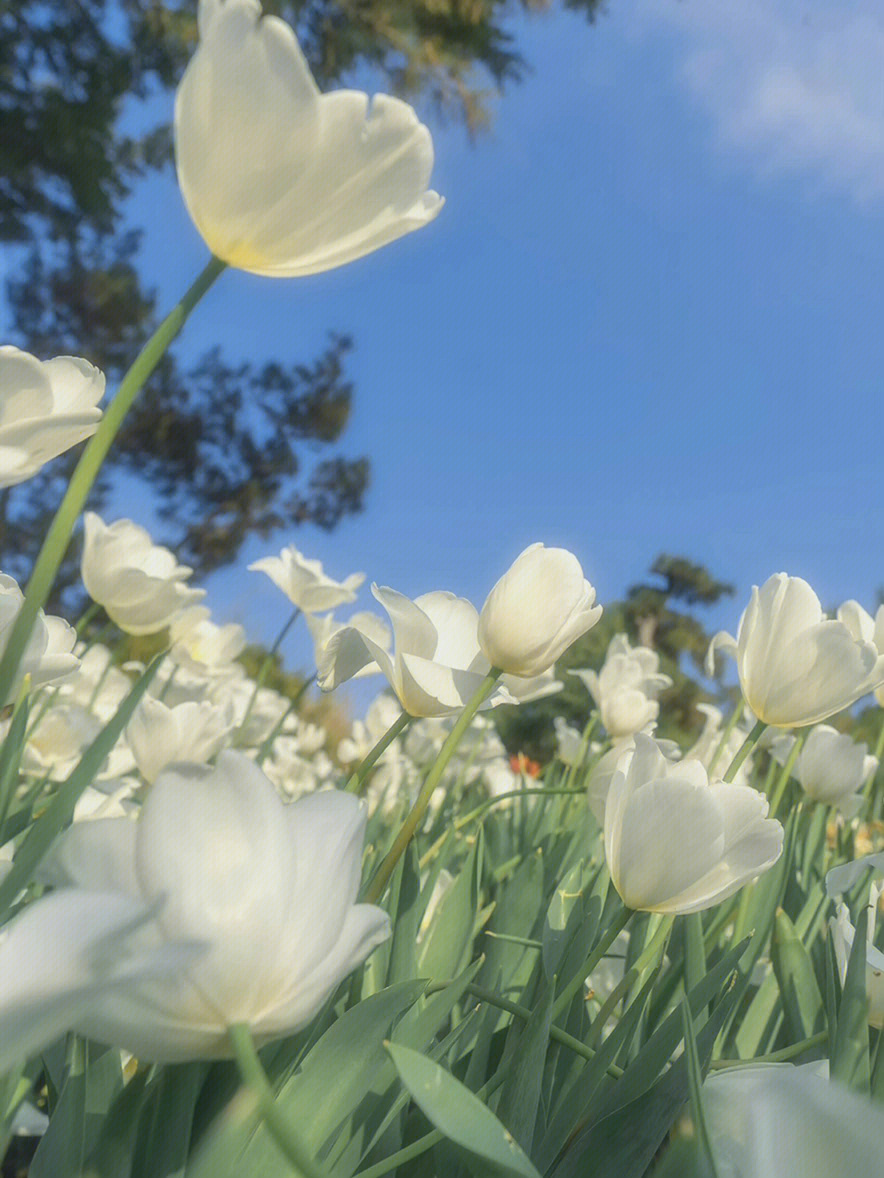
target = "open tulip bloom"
x: 268, y: 889
x: 279, y: 179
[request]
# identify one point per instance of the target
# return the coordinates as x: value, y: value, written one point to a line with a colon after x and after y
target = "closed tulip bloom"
x: 676, y: 842
x: 796, y: 666
x: 832, y: 767
x: 139, y: 584
x: 269, y: 889
x: 865, y: 628
x: 48, y: 656
x: 279, y: 179
x: 45, y: 408
x: 304, y: 583
x: 436, y: 664
x: 536, y: 610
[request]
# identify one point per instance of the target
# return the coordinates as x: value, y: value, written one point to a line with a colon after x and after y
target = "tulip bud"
x: 535, y: 611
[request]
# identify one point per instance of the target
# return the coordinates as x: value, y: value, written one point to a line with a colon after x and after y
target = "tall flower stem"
x: 415, y: 815
x: 59, y: 535
x: 255, y: 1078
x: 744, y: 750
x: 780, y: 787
x: 731, y: 724
x: 264, y: 669
x: 354, y: 784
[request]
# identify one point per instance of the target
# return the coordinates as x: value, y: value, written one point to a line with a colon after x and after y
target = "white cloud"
x: 795, y: 87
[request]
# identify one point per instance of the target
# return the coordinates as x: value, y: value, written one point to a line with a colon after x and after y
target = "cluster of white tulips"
x: 637, y: 960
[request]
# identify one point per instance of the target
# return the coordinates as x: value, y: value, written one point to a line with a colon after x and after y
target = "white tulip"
x: 269, y: 889
x: 66, y: 955
x: 832, y: 767
x: 304, y: 583
x: 436, y: 665
x: 139, y: 584
x: 797, y: 667
x: 536, y: 610
x: 279, y: 179
x: 202, y: 646
x: 45, y: 408
x: 626, y: 688
x: 676, y: 842
x: 48, y: 655
x: 323, y: 627
x: 866, y: 628
x: 602, y: 773
x: 777, y: 1120
x: 60, y: 736
x: 159, y: 735
x: 97, y: 684
x: 705, y: 749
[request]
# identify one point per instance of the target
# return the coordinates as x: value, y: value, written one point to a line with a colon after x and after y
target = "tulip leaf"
x: 445, y: 949
x: 405, y: 918
x: 62, y: 1148
x: 488, y: 1149
x: 849, y: 1059
x: 520, y: 1096
x: 801, y: 999
x: 166, y: 1123
x: 695, y: 1089
x: 60, y: 809
x: 10, y: 756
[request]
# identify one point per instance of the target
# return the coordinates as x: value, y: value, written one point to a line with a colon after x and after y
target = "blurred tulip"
x: 269, y: 889
x: 159, y: 735
x: 45, y: 408
x: 626, y: 688
x: 48, y: 656
x: 536, y: 610
x: 797, y: 667
x: 279, y: 179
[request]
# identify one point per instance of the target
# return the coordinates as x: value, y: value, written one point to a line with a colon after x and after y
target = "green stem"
x: 617, y: 925
x: 415, y: 815
x: 59, y: 535
x: 579, y: 760
x: 523, y: 1013
x: 354, y: 784
x: 650, y: 958
x: 85, y: 618
x: 264, y: 669
x: 784, y: 1053
x: 780, y: 788
x: 726, y: 731
x: 267, y: 744
x: 282, y: 1132
x: 744, y: 750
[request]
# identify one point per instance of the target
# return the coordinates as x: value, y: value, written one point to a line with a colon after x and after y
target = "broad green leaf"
x: 10, y: 756
x: 695, y: 1089
x: 446, y: 944
x: 487, y: 1147
x: 166, y: 1126
x: 849, y: 1060
x: 405, y: 916
x: 520, y: 1095
x: 802, y: 1002
x: 62, y: 1149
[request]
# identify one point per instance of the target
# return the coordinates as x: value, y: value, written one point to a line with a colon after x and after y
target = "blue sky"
x: 648, y: 318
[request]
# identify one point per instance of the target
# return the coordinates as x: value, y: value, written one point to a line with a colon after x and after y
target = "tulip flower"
x: 279, y: 179
x: 866, y: 628
x: 626, y: 688
x: 159, y: 735
x: 48, y: 656
x: 269, y: 889
x: 778, y: 1120
x: 536, y: 610
x: 831, y: 767
x: 45, y: 408
x: 797, y: 667
x: 436, y: 666
x: 139, y: 584
x: 676, y: 842
x: 66, y: 955
x: 304, y: 583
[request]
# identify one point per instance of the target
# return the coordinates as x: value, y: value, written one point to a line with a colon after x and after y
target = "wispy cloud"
x: 795, y: 87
